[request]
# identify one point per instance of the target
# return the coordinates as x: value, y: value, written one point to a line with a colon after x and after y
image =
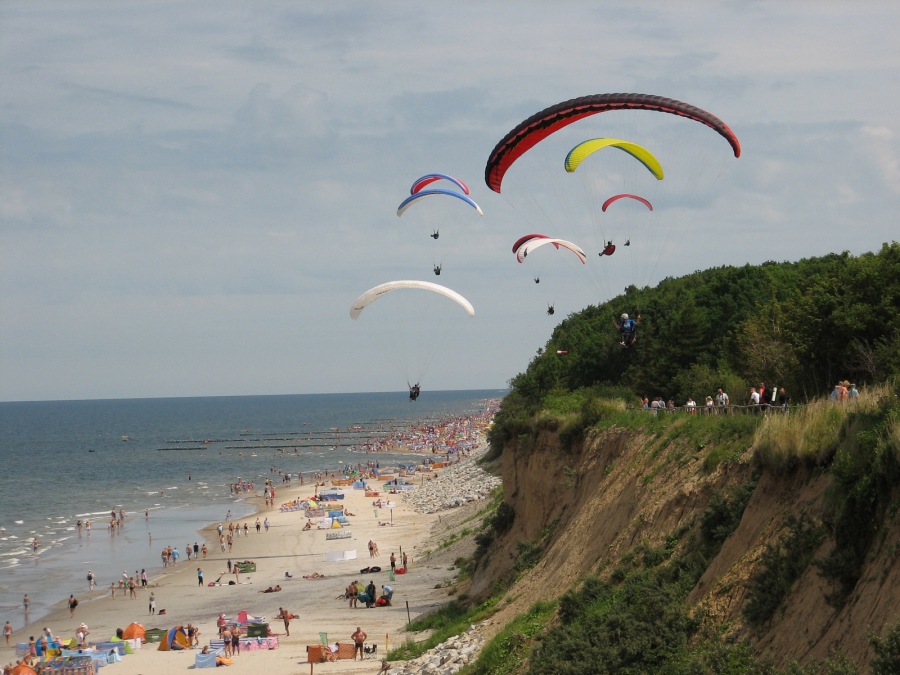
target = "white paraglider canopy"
x: 530, y: 245
x: 373, y: 294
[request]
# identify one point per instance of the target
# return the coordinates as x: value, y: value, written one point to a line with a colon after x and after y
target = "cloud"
x: 191, y: 185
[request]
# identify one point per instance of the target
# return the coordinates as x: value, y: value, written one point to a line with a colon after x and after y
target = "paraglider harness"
x: 551, y: 310
x: 437, y: 269
x: 413, y: 391
x: 628, y: 329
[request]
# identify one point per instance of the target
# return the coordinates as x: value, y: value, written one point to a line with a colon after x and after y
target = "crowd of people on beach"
x: 455, y: 435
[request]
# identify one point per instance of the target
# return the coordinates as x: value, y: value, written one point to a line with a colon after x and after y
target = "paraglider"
x: 380, y: 291
x: 430, y: 178
x: 541, y: 125
x: 628, y: 329
x: 409, y: 330
x: 551, y: 310
x: 437, y: 269
x: 425, y: 194
x: 435, y: 235
x: 616, y: 198
x: 581, y: 151
x: 529, y: 246
x: 610, y: 249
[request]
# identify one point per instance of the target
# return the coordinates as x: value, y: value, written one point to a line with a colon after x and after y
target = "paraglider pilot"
x: 537, y: 280
x: 627, y: 328
x: 414, y: 392
x: 609, y: 250
x: 437, y: 270
x: 551, y: 310
x: 435, y: 234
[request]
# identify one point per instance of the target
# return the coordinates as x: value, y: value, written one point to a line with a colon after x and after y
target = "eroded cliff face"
x: 619, y: 489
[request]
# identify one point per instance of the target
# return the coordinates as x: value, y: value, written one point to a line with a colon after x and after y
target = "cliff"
x: 591, y: 504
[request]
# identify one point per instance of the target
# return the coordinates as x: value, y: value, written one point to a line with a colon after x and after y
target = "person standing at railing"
x: 691, y: 406
x: 754, y: 399
x: 722, y: 401
x: 709, y: 405
x: 783, y: 400
x: 764, y: 396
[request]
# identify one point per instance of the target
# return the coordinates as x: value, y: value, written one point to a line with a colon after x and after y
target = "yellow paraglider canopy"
x: 581, y: 151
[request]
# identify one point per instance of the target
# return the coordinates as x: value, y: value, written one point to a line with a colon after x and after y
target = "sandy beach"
x: 284, y: 548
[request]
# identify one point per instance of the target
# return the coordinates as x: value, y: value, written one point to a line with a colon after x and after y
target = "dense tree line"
x: 801, y: 325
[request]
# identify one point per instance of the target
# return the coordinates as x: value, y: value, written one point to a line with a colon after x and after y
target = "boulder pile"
x: 445, y: 659
x: 454, y: 486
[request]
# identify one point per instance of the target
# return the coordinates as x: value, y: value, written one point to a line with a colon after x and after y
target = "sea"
x: 64, y: 461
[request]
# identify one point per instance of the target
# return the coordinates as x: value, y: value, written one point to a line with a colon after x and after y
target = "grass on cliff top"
x: 811, y: 434
x: 575, y: 415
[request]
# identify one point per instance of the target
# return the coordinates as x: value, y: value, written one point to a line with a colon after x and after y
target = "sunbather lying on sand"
x: 314, y: 575
x: 271, y: 590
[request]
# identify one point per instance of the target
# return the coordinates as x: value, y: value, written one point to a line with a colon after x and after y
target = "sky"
x: 192, y: 194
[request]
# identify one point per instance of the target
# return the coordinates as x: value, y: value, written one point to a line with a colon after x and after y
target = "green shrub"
x: 506, y: 652
x: 780, y: 566
x: 503, y: 518
x: 723, y: 514
x: 887, y: 652
x: 866, y: 473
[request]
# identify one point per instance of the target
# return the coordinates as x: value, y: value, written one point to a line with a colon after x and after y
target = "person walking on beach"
x: 143, y: 578
x: 175, y: 556
x: 359, y: 640
x: 199, y: 576
x: 73, y: 603
x: 204, y: 550
x: 131, y: 586
x: 257, y: 526
x: 285, y: 616
x: 371, y: 549
x: 152, y: 602
x: 25, y: 603
x: 266, y: 523
x: 196, y: 551
x: 90, y: 578
x: 393, y: 561
x: 112, y: 589
x: 404, y: 562
x: 7, y: 631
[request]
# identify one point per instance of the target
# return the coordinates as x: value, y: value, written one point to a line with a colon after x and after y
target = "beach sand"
x: 285, y: 548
